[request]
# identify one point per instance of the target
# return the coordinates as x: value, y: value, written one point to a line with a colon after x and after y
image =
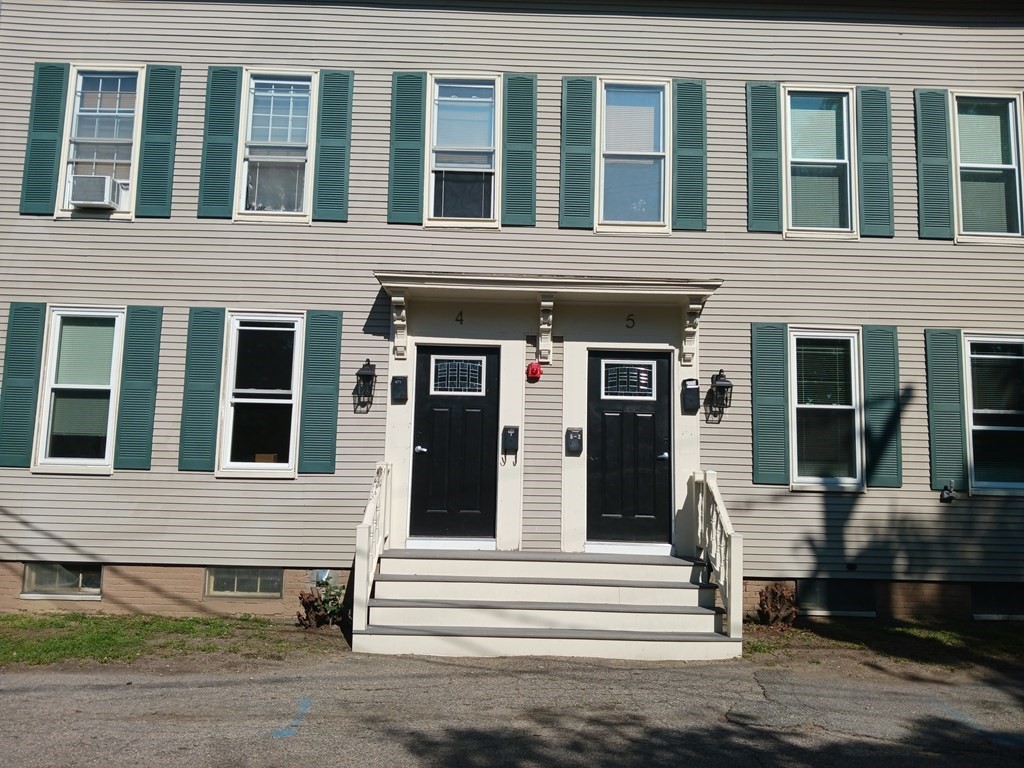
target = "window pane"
x: 275, y: 186
x: 825, y: 442
x: 634, y: 118
x: 463, y: 195
x: 62, y: 578
x: 107, y: 159
x: 823, y: 372
x: 633, y: 189
x: 85, y: 350
x: 271, y: 581
x: 261, y: 433
x: 224, y: 579
x: 248, y: 580
x: 459, y: 161
x: 989, y: 201
x: 458, y: 376
x: 465, y: 124
x: 264, y: 359
x: 634, y: 380
x: 997, y: 383
x: 78, y: 424
x: 986, y: 131
x: 817, y: 130
x: 820, y: 196
x: 997, y: 456
x: 280, y: 111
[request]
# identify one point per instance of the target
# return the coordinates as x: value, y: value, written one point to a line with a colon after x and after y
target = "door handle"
x: 663, y: 456
x: 420, y: 449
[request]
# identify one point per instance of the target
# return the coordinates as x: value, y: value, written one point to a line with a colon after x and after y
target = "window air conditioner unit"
x: 94, y: 192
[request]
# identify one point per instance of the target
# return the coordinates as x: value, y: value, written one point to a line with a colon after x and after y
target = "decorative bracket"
x: 547, y: 322
x: 399, y: 325
x: 691, y: 319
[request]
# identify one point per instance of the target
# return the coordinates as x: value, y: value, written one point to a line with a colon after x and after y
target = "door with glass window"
x: 629, y: 452
x: 455, y: 443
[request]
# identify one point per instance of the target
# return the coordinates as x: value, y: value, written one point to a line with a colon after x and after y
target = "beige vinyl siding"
x: 164, y: 516
x: 542, y: 453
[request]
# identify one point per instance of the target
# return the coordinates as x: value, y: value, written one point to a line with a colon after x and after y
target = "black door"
x: 455, y: 442
x: 629, y: 459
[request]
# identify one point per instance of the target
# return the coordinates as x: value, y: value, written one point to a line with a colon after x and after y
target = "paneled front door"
x: 455, y: 442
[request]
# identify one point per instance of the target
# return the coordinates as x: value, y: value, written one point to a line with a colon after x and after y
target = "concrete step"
x: 598, y: 644
x: 543, y: 590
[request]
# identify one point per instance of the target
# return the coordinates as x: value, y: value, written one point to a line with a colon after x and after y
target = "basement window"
x: 64, y: 580
x: 836, y: 597
x: 244, y: 582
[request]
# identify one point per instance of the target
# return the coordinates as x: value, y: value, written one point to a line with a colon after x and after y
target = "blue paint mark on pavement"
x: 292, y: 729
x: 996, y: 738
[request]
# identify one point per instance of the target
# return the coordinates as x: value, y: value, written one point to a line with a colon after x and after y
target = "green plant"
x: 777, y: 606
x: 321, y: 605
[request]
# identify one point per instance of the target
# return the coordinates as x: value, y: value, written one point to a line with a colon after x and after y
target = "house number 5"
x: 630, y: 320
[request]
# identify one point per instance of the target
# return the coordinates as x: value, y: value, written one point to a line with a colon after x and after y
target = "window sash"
x: 227, y: 581
x: 62, y: 579
x: 995, y: 411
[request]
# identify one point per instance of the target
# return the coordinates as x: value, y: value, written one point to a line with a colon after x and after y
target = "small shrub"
x: 321, y: 606
x: 777, y: 606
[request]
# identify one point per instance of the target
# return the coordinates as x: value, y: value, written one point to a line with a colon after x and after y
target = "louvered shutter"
x: 408, y: 126
x: 45, y: 134
x: 769, y: 401
x: 874, y: 162
x: 934, y: 165
x: 689, y: 155
x: 133, y: 447
x: 333, y: 146
x: 947, y: 423
x: 22, y: 359
x: 764, y: 158
x: 519, y: 151
x: 200, y: 402
x: 882, y: 406
x: 576, y: 187
x: 155, y: 177
x: 220, y: 143
x: 318, y: 428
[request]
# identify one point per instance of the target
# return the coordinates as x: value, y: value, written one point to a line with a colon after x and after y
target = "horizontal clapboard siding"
x: 542, y: 454
x: 164, y: 516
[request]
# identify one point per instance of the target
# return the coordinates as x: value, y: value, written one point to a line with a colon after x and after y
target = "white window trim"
x: 809, y: 233
x: 226, y: 467
x: 982, y: 237
x: 802, y: 483
x: 208, y: 590
x: 429, y: 221
x: 62, y: 208
x: 976, y: 488
x: 620, y: 227
x: 41, y: 464
x: 245, y: 117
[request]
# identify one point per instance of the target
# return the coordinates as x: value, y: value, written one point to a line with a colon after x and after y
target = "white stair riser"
x: 639, y: 650
x: 525, y: 618
x: 540, y: 569
x: 543, y: 593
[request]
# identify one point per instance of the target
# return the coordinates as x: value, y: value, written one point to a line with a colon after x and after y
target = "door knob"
x: 663, y: 456
x: 420, y: 449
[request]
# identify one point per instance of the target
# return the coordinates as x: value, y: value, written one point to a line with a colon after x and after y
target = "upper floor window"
x: 634, y: 163
x: 819, y: 177
x: 463, y: 158
x: 995, y: 411
x: 275, y: 174
x: 988, y: 165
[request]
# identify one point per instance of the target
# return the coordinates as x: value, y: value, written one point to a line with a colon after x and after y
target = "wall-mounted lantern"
x: 366, y: 382
x: 719, y: 397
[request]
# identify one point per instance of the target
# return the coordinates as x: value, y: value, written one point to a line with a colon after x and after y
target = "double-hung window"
x: 825, y: 399
x: 261, y: 393
x: 988, y: 164
x: 463, y: 158
x: 995, y: 411
x: 820, y: 183
x: 101, y: 151
x: 634, y: 161
x: 275, y: 169
x: 82, y: 376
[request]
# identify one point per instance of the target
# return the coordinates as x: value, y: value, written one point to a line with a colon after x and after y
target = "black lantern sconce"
x: 366, y: 382
x: 719, y: 397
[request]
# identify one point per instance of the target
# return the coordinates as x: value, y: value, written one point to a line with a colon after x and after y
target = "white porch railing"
x: 371, y: 539
x: 721, y: 547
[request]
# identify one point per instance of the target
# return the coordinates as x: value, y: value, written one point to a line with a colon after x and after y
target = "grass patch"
x: 52, y: 638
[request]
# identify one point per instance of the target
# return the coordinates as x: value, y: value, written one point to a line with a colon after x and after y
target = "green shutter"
x: 764, y: 157
x: 134, y: 438
x: 22, y: 359
x: 874, y: 162
x: 318, y: 428
x: 408, y: 124
x: 333, y: 145
x: 947, y: 430
x: 882, y: 406
x: 769, y: 401
x: 45, y: 135
x: 576, y: 188
x: 519, y: 151
x: 934, y: 165
x: 200, y: 402
x: 155, y: 178
x: 220, y: 143
x: 689, y: 155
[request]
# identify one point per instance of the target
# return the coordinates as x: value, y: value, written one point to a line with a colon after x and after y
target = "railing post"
x: 736, y: 587
x: 360, y: 600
